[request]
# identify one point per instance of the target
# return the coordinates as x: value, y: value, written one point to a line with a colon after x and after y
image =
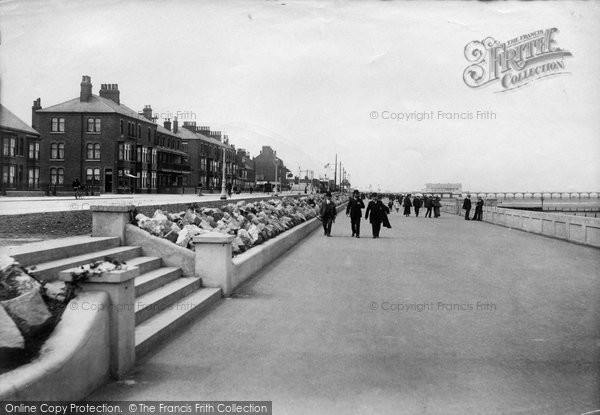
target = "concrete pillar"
x: 213, y: 260
x: 119, y: 285
x: 111, y: 220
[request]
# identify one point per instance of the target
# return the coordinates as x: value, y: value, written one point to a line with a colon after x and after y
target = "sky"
x: 318, y: 79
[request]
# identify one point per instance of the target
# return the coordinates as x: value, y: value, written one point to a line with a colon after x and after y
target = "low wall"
x: 577, y: 229
x: 73, y: 362
x: 172, y: 255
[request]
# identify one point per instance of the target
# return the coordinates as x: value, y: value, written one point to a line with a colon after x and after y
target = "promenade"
x: 438, y: 316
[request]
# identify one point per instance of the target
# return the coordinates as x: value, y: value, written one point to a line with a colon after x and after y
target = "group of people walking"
x: 430, y: 203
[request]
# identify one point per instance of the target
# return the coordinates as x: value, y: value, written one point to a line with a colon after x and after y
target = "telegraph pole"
x: 335, y: 174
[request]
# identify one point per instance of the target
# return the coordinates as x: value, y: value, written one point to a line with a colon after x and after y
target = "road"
x: 23, y: 205
x: 438, y: 316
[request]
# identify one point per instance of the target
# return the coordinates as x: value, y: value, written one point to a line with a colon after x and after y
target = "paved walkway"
x: 22, y: 205
x: 490, y: 321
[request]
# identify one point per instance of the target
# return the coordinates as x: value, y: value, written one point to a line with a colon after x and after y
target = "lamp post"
x: 276, y: 162
x: 223, y: 189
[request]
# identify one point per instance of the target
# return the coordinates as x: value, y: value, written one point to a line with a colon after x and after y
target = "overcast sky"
x: 305, y: 77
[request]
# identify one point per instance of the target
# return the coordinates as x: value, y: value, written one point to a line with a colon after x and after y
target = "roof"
x: 186, y: 134
x: 96, y: 104
x: 10, y: 121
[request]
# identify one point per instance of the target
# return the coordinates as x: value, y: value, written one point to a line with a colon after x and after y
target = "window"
x: 58, y: 125
x: 154, y: 156
x: 93, y: 125
x: 144, y: 155
x: 127, y: 155
x: 34, y: 151
x: 21, y: 149
x: 57, y: 175
x: 8, y: 149
x: 57, y: 151
x: 121, y: 151
x: 92, y: 175
x: 33, y: 177
x: 93, y: 151
x: 139, y: 132
x: 153, y: 180
x: 8, y: 174
x: 121, y: 126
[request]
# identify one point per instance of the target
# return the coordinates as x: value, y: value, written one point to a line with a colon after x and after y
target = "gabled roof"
x: 96, y: 104
x: 186, y: 134
x: 10, y: 121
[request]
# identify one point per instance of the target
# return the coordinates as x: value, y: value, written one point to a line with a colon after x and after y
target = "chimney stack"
x: 190, y: 125
x: 204, y: 130
x: 216, y: 135
x: 86, y: 89
x: 111, y: 91
x: 167, y: 124
x: 175, y: 125
x: 147, y: 112
x: 37, y: 105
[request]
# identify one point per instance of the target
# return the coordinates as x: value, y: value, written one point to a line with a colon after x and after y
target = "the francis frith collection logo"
x: 514, y: 63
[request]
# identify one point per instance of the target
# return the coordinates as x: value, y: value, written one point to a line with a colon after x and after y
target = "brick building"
x: 267, y: 165
x: 19, y: 154
x: 107, y: 146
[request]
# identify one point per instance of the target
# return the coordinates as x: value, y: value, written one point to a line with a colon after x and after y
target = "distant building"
x: 443, y: 188
x: 20, y: 153
x: 265, y: 164
x: 107, y: 146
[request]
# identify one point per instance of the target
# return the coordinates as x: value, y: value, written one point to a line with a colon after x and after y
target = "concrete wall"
x: 73, y: 362
x: 577, y: 229
x: 172, y: 255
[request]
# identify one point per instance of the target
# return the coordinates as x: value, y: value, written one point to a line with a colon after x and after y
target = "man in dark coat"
x: 354, y: 210
x: 478, y: 209
x: 428, y: 206
x: 378, y: 212
x: 467, y: 206
x: 417, y: 205
x: 328, y: 213
x: 407, y: 205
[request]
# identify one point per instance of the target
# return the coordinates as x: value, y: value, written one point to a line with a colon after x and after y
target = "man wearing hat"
x: 378, y: 213
x: 467, y: 206
x: 328, y: 213
x: 354, y: 210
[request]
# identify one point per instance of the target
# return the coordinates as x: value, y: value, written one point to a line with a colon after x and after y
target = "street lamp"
x: 276, y: 162
x: 223, y: 189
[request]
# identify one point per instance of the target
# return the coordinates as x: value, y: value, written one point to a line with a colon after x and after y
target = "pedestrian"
x: 417, y: 205
x: 397, y: 205
x: 354, y: 210
x: 378, y: 213
x: 327, y: 213
x: 478, y: 209
x: 467, y: 206
x: 437, y: 204
x: 251, y: 189
x: 428, y: 203
x: 76, y: 187
x: 407, y: 205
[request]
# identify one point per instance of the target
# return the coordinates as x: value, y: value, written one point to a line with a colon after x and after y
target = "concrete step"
x: 145, y: 263
x: 54, y: 249
x: 49, y: 270
x: 151, y: 280
x: 163, y: 298
x: 160, y: 327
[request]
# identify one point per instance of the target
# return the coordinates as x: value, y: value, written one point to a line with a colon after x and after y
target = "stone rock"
x: 28, y: 311
x: 10, y: 336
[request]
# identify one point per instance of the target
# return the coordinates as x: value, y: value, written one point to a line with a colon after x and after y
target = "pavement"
x: 438, y: 316
x: 23, y: 205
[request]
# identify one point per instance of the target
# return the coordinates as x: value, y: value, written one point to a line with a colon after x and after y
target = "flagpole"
x: 335, y: 174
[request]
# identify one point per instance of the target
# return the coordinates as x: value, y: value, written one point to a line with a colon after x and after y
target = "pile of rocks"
x: 23, y: 312
x: 251, y: 223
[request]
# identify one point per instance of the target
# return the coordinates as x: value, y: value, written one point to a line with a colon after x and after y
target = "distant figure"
x: 76, y: 187
x: 228, y: 188
x: 478, y: 209
x: 397, y: 205
x: 437, y: 204
x: 407, y: 205
x: 417, y: 205
x: 428, y: 205
x: 251, y: 189
x: 467, y: 206
x: 328, y: 214
x: 354, y: 210
x: 378, y: 213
